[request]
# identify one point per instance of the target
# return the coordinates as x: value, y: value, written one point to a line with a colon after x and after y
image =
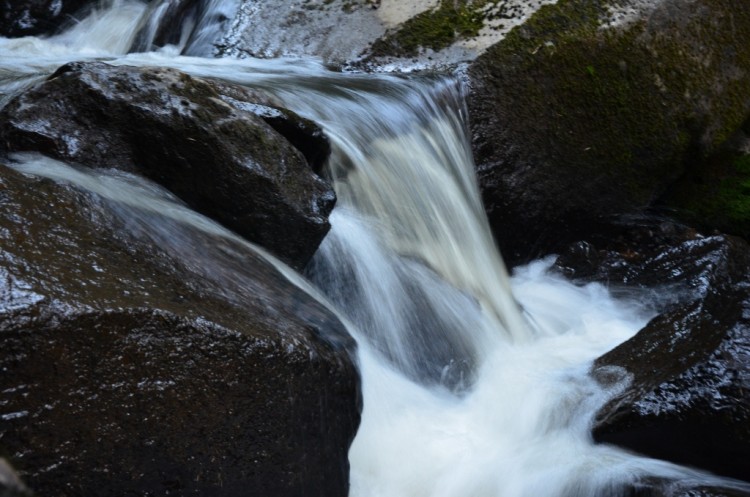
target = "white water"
x: 464, y: 395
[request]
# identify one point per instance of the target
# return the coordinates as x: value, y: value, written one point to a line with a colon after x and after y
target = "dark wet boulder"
x: 687, y: 400
x: 38, y: 17
x: 143, y: 356
x: 596, y: 108
x: 211, y: 144
x: 684, y: 379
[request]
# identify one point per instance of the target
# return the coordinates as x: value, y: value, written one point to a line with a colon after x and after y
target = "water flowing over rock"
x: 143, y: 356
x: 37, y: 17
x: 10, y: 484
x: 168, y: 23
x: 216, y: 146
x: 372, y: 33
x: 584, y: 113
x: 688, y: 388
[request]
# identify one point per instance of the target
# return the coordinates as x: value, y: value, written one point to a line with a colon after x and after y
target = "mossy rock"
x: 435, y: 29
x: 575, y: 120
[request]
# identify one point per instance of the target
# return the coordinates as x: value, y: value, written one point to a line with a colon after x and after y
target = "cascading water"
x: 191, y: 26
x: 470, y: 389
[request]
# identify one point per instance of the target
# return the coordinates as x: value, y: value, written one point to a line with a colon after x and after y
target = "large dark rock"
x: 144, y: 357
x: 579, y: 115
x: 209, y: 143
x: 37, y: 17
x: 686, y: 390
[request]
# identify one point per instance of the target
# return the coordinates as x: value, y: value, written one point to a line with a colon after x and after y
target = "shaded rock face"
x: 687, y: 392
x: 576, y: 117
x: 142, y: 357
x: 715, y: 194
x: 37, y: 17
x: 208, y: 143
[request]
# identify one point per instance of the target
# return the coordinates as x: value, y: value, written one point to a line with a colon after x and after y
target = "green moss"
x: 737, y: 193
x: 732, y: 201
x: 717, y: 196
x: 435, y: 29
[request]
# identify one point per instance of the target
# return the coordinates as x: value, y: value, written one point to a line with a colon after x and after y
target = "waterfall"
x: 190, y: 26
x: 475, y: 383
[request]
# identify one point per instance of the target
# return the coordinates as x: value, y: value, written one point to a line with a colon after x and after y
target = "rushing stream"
x: 475, y: 383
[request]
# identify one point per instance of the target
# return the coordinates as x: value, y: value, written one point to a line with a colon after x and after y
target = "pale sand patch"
x: 395, y: 12
x: 508, y: 14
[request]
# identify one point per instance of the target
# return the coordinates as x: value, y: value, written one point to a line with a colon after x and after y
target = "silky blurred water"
x: 475, y: 383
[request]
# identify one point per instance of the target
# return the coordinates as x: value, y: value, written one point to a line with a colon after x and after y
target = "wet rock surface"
x: 581, y: 114
x: 661, y: 488
x: 685, y: 377
x: 38, y: 17
x: 214, y: 145
x: 142, y: 357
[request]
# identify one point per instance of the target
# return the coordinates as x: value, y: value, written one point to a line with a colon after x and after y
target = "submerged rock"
x: 214, y: 145
x: 142, y: 356
x: 594, y: 109
x: 37, y: 17
x: 684, y: 379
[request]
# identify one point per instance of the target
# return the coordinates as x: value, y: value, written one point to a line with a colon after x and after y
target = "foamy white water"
x: 475, y: 384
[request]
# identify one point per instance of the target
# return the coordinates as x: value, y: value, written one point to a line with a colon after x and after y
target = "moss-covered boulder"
x: 594, y: 109
x: 220, y: 147
x: 145, y: 354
